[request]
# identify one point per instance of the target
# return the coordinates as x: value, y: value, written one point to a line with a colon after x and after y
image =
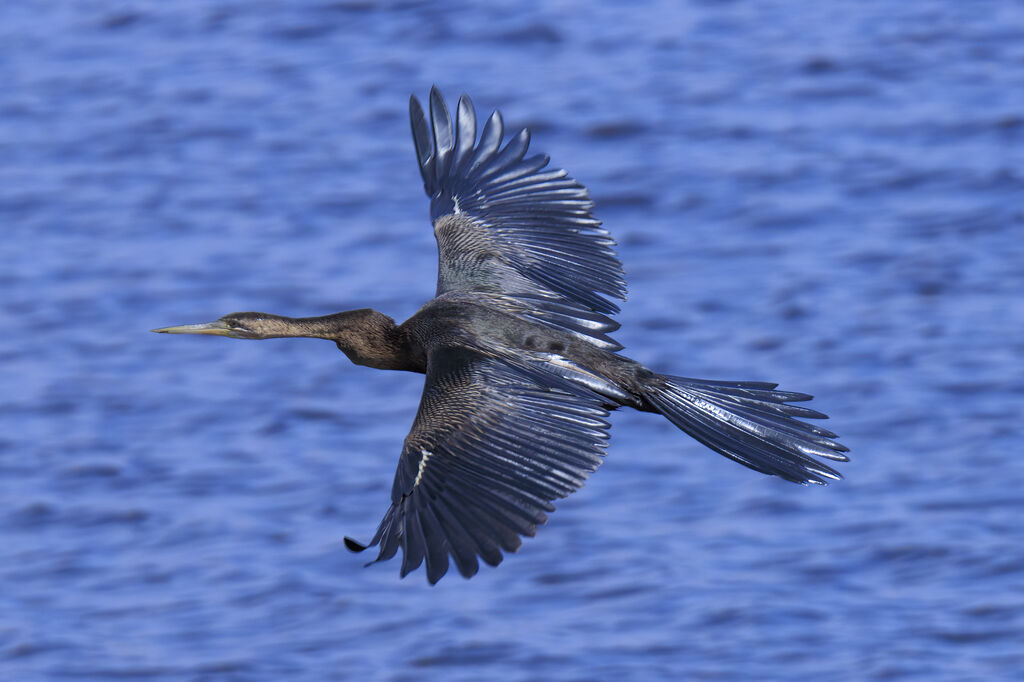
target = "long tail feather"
x: 751, y: 423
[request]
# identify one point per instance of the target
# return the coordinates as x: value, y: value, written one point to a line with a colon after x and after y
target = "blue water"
x: 827, y: 195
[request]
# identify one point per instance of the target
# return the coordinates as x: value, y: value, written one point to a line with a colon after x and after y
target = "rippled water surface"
x: 828, y: 195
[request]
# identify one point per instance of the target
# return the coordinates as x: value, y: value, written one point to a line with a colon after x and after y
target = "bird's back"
x: 553, y: 338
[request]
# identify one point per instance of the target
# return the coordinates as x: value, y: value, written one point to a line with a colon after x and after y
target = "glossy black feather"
x: 755, y: 433
x: 535, y: 226
x: 492, y: 444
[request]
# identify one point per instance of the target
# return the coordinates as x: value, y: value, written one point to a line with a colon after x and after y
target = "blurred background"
x: 827, y: 195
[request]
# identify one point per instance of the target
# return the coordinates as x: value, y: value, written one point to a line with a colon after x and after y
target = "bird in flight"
x: 521, y: 370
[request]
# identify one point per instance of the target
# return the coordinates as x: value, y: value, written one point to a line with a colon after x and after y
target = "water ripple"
x: 824, y: 196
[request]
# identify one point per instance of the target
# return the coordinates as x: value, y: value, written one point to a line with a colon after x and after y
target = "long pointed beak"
x: 217, y: 328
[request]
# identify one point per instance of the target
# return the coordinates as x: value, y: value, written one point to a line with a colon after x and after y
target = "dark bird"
x: 521, y: 370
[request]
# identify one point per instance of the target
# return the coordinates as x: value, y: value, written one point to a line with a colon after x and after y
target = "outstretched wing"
x: 492, y: 445
x: 503, y: 223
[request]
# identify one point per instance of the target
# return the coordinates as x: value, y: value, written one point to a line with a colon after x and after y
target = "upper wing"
x: 503, y: 224
x: 491, y: 446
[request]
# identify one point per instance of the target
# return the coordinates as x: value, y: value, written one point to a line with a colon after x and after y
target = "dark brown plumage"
x: 520, y: 368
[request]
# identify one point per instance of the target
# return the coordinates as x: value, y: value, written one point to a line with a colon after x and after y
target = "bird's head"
x: 236, y: 326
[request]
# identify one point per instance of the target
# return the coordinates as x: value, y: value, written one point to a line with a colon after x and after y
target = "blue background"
x: 827, y: 195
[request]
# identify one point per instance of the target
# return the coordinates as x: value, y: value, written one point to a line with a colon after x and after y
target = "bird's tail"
x: 752, y: 423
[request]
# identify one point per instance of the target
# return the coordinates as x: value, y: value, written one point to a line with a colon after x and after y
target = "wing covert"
x: 503, y: 223
x: 492, y: 445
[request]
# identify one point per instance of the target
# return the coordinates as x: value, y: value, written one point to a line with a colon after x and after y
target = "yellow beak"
x: 217, y: 328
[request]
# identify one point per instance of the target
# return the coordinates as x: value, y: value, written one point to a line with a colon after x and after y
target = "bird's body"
x: 508, y: 329
x: 520, y: 368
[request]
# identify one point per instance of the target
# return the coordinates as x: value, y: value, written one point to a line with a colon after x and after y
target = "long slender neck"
x: 366, y: 336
